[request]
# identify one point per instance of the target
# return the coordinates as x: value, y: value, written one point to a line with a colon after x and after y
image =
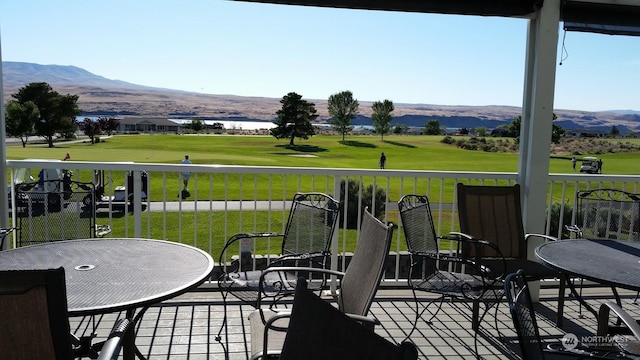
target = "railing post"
x: 334, y: 239
x: 137, y: 203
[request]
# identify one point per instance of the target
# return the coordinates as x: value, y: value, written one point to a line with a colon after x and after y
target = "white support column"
x: 4, y: 194
x: 537, y: 118
x: 538, y: 115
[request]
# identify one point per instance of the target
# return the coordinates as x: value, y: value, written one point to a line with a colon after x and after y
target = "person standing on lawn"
x: 186, y: 175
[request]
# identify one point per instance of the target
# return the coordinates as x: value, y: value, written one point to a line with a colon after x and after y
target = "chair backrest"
x: 57, y: 210
x: 523, y: 315
x: 33, y: 314
x: 608, y: 214
x: 494, y: 214
x: 318, y: 331
x: 312, y: 221
x: 364, y: 273
x: 417, y: 224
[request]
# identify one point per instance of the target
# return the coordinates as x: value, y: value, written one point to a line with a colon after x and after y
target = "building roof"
x: 134, y: 120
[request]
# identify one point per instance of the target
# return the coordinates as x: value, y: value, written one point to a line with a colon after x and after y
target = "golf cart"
x: 52, y: 188
x: 590, y: 165
x: 123, y: 194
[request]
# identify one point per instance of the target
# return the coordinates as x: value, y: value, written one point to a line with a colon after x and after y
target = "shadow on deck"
x: 186, y: 327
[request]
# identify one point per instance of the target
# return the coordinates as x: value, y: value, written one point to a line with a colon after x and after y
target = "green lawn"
x: 402, y: 152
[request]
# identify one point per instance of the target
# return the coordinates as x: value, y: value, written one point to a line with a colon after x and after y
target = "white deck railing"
x: 229, y: 199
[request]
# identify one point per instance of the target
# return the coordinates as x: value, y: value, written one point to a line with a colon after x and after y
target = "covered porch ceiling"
x: 602, y: 12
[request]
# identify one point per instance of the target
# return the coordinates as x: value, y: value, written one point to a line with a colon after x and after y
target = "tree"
x: 294, y: 118
x: 382, y: 117
x: 91, y: 128
x: 342, y: 108
x: 614, y: 131
x: 57, y: 112
x: 400, y: 129
x: 481, y: 131
x: 108, y: 124
x: 20, y: 119
x: 197, y: 124
x: 432, y: 127
x: 514, y: 127
x: 557, y: 132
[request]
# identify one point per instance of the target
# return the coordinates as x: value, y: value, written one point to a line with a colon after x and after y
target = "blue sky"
x: 227, y: 47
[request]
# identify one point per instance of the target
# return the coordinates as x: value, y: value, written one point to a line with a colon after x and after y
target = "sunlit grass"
x: 202, y: 229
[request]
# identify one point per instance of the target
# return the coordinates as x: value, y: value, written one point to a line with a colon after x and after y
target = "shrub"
x: 447, y: 140
x: 353, y: 210
x: 555, y: 219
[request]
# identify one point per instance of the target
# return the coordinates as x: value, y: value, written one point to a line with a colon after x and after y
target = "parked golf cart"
x: 122, y: 197
x: 590, y: 165
x: 52, y: 187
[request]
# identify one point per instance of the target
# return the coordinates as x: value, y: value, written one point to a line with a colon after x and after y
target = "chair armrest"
x: 102, y: 230
x: 366, y: 321
x: 266, y: 271
x: 546, y: 237
x: 603, y: 319
x: 235, y: 238
x: 574, y: 229
x: 111, y: 348
x: 478, y: 244
x: 293, y: 257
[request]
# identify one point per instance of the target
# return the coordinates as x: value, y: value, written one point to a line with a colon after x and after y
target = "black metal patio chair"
x: 447, y: 273
x: 306, y: 242
x: 625, y: 332
x: 494, y: 214
x: 55, y: 210
x: 526, y: 327
x: 606, y: 214
x: 357, y: 288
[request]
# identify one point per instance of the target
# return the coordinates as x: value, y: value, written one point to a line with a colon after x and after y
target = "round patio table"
x: 110, y: 275
x: 608, y: 262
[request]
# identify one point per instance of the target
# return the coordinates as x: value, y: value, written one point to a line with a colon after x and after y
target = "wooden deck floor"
x: 186, y: 327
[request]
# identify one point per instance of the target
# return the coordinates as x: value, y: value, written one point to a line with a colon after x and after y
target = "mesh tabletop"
x: 608, y: 262
x: 104, y: 275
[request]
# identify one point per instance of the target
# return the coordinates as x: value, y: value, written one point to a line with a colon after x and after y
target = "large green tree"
x: 342, y: 108
x: 20, y: 119
x: 57, y: 112
x: 294, y: 118
x: 557, y: 132
x: 432, y: 127
x: 197, y: 124
x: 91, y: 128
x: 382, y: 117
x: 108, y: 124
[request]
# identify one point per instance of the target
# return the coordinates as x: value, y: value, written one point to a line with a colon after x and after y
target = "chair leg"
x: 475, y: 314
x: 420, y: 312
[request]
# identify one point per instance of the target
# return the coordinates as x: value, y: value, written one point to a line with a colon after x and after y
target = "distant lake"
x: 233, y: 125
x: 228, y: 124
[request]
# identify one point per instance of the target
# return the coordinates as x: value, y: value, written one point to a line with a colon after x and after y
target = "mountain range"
x: 98, y: 95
